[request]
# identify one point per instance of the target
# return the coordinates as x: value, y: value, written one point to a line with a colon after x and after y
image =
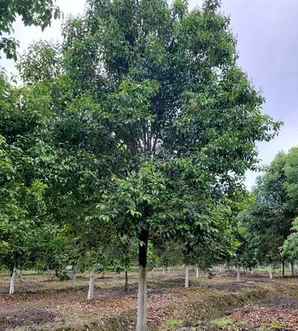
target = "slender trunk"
x: 238, y: 274
x: 74, y: 276
x: 283, y: 269
x: 12, y: 281
x: 292, y: 269
x: 91, y: 286
x: 197, y: 273
x: 270, y: 272
x: 142, y: 290
x: 186, y: 276
x: 126, y: 281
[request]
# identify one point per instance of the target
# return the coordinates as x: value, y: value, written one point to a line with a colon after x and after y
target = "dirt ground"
x: 256, y: 303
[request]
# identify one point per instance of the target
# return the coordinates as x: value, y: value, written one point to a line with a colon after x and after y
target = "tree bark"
x: 283, y: 269
x: 91, y: 286
x: 126, y: 281
x: 142, y: 288
x: 238, y: 274
x: 197, y: 273
x: 186, y: 276
x: 74, y: 275
x: 12, y: 281
x: 292, y: 269
x: 270, y: 272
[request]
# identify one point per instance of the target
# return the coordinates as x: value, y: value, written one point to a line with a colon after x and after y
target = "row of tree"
x: 267, y: 223
x: 133, y: 136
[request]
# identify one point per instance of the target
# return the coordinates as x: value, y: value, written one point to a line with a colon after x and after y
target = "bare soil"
x: 41, y: 303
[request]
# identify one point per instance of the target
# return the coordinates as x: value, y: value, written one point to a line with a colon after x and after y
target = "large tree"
x: 155, y: 123
x: 178, y: 105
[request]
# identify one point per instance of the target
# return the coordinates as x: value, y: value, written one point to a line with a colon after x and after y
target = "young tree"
x: 291, y: 172
x: 270, y: 218
x: 290, y: 246
x: 21, y: 191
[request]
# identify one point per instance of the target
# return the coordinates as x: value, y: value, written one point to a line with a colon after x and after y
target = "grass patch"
x: 222, y: 323
x: 174, y: 324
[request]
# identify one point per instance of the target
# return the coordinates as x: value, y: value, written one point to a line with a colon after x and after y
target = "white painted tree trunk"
x: 197, y: 273
x: 91, y: 286
x: 187, y: 276
x: 142, y: 300
x: 73, y: 275
x: 238, y: 274
x: 270, y: 272
x: 12, y: 281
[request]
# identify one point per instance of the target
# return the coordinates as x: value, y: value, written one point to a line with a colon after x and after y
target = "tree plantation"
x: 123, y: 155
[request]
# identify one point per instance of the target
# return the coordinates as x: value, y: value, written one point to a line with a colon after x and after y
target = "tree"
x: 177, y: 104
x: 21, y: 191
x: 32, y: 12
x: 290, y: 246
x: 270, y: 219
x: 42, y: 62
x: 244, y: 254
x: 152, y: 123
x: 291, y: 172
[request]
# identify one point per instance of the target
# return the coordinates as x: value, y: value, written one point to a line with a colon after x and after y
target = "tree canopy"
x: 32, y: 12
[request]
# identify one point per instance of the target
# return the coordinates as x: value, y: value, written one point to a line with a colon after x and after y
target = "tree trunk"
x: 270, y: 272
x: 283, y: 269
x: 12, y: 281
x: 186, y: 276
x: 126, y: 281
x: 91, y: 286
x: 238, y: 274
x: 292, y: 269
x: 74, y: 275
x: 197, y: 273
x: 142, y: 290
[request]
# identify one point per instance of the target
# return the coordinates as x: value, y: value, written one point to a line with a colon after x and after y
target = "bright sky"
x: 268, y: 48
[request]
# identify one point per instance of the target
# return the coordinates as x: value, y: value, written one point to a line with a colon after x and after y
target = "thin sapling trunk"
x: 12, y: 281
x: 270, y: 272
x: 197, y: 273
x: 186, y: 276
x: 142, y: 289
x: 238, y: 274
x: 91, y: 286
x: 126, y: 281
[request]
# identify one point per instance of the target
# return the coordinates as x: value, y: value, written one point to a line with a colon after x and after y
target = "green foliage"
x: 290, y: 246
x: 291, y: 172
x: 269, y: 219
x: 140, y: 127
x: 41, y: 62
x: 32, y: 12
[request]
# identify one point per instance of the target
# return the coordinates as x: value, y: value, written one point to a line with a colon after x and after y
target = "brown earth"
x: 44, y: 304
